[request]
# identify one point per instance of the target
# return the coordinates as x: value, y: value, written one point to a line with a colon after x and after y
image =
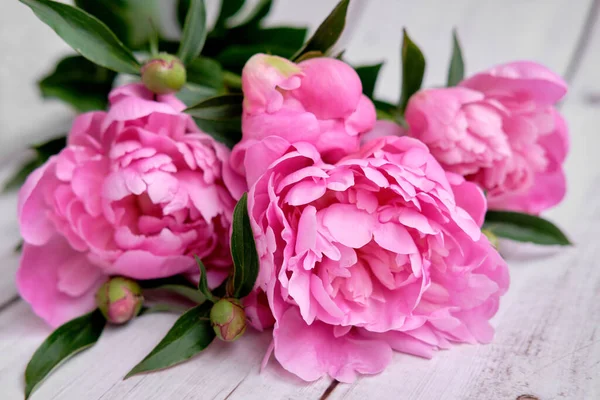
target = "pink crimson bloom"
x: 137, y: 192
x: 319, y: 101
x: 382, y: 251
x: 499, y: 129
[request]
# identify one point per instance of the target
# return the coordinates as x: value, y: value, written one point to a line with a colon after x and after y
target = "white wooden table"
x: 547, y: 343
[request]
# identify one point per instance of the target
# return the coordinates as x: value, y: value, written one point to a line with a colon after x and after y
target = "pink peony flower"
x: 380, y: 252
x: 319, y: 101
x: 137, y: 192
x: 499, y: 129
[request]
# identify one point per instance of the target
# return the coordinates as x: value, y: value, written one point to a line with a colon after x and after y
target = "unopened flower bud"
x: 491, y: 237
x: 164, y: 74
x: 120, y: 299
x: 228, y: 319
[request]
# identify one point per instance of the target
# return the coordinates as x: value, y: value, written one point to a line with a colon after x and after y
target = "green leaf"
x: 194, y: 32
x: 17, y: 180
x: 182, y: 9
x: 413, y: 70
x: 178, y: 285
x: 192, y: 94
x: 220, y: 116
x: 205, y: 72
x: 128, y: 19
x: 203, y: 282
x: 232, y: 81
x: 80, y: 83
x: 43, y: 152
x: 524, y: 228
x: 328, y: 32
x: 184, y: 291
x: 309, y: 55
x: 190, y: 334
x: 53, y: 146
x: 260, y: 12
x: 234, y: 57
x: 163, y: 307
x: 86, y: 34
x: 284, y: 36
x: 243, y: 251
x: 368, y: 76
x: 228, y: 9
x: 66, y: 341
x: 456, y: 71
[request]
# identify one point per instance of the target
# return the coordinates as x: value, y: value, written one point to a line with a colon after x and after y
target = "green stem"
x: 232, y: 81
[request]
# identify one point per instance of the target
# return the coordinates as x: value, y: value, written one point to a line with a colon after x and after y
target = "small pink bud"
x: 164, y: 74
x: 120, y: 299
x: 228, y: 319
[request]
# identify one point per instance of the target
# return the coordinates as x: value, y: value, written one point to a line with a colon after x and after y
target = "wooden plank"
x: 98, y: 373
x: 30, y: 50
x: 9, y: 237
x: 491, y: 32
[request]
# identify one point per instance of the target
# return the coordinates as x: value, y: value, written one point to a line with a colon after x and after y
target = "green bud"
x: 228, y: 319
x: 119, y: 299
x: 164, y: 74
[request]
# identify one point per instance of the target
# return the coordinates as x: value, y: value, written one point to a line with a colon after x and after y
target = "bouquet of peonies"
x: 287, y: 198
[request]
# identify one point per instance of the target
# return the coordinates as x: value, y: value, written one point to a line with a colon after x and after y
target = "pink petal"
x: 32, y: 209
x: 330, y: 88
x: 39, y: 282
x: 537, y: 81
x: 141, y: 264
x: 313, y: 351
x: 348, y: 225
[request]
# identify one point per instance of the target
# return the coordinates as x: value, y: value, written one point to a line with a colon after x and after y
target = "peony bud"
x: 119, y: 299
x: 228, y: 319
x: 164, y: 74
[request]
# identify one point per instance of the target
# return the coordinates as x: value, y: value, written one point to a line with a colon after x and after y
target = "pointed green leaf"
x: 261, y: 10
x: 234, y: 57
x: 220, y: 116
x: 86, y: 34
x: 176, y: 290
x: 328, y: 32
x: 19, y: 177
x: 192, y: 94
x: 413, y: 70
x: 51, y: 147
x: 368, y: 76
x: 284, y: 36
x: 243, y: 251
x: 190, y: 334
x: 66, y: 341
x: 163, y: 307
x: 203, y: 282
x: 194, y: 32
x: 182, y: 290
x: 456, y: 72
x: 43, y: 152
x: 228, y: 9
x: 524, y: 228
x: 128, y: 19
x: 205, y: 72
x: 80, y: 83
x: 182, y: 9
x: 309, y: 55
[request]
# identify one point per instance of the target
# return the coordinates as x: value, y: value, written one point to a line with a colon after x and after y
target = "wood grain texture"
x: 490, y: 31
x: 9, y: 235
x: 547, y: 342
